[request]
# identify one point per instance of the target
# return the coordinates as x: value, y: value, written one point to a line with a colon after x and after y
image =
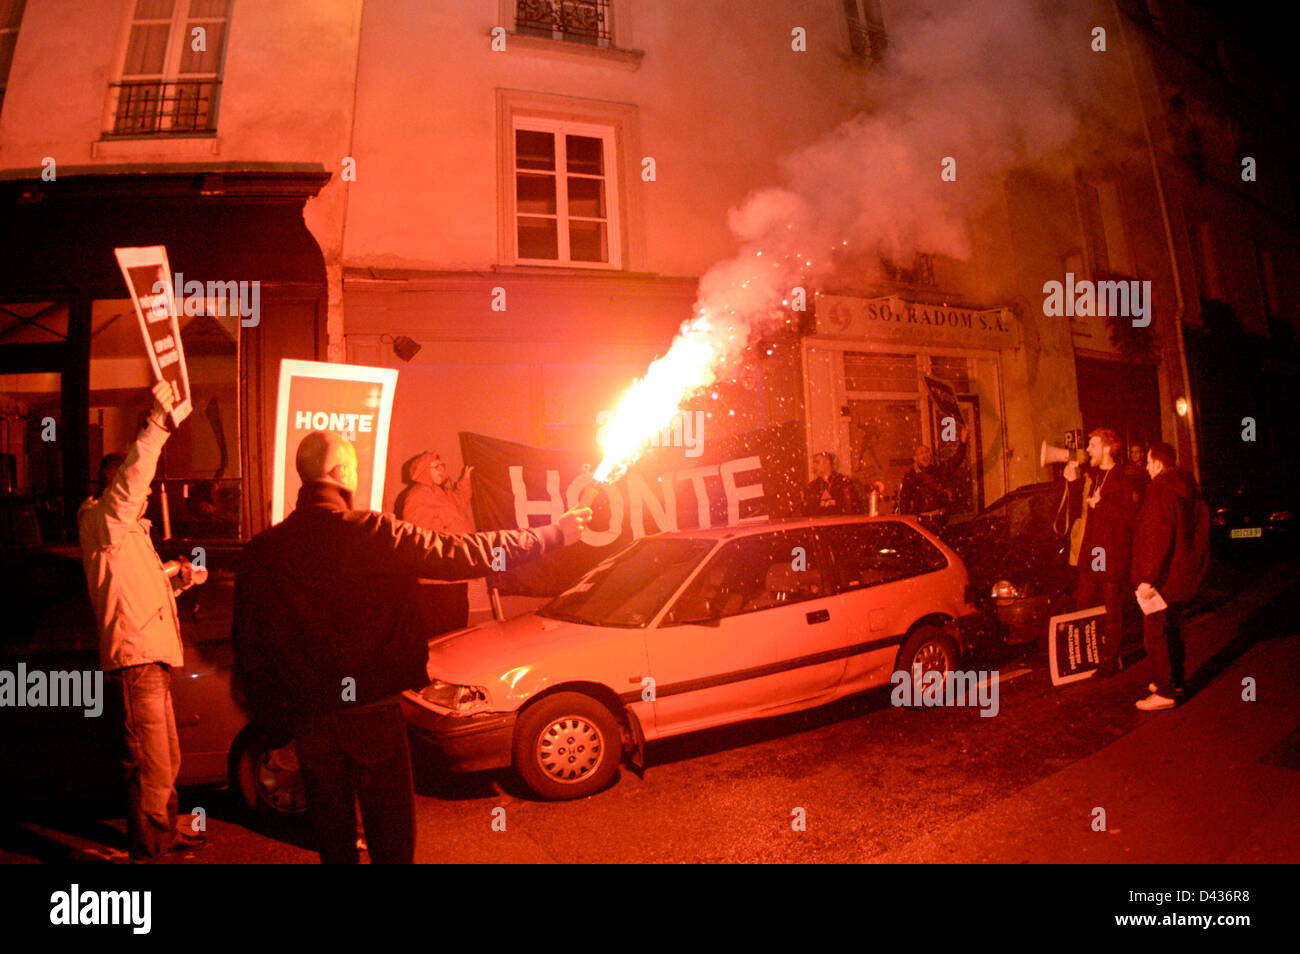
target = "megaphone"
x: 1051, y: 454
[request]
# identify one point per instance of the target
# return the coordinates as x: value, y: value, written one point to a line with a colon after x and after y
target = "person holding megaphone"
x: 1106, y: 500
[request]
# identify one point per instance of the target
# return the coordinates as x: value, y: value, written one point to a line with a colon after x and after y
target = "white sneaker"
x: 1155, y: 701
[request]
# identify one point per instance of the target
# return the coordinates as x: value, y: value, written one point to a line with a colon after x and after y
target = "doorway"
x: 1123, y: 397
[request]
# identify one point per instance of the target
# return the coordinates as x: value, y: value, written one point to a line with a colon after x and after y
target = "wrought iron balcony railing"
x: 581, y: 21
x: 155, y: 108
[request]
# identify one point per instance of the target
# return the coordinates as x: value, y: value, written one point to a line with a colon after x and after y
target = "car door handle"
x: 818, y: 616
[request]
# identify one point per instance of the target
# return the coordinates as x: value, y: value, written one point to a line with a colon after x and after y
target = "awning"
x: 220, y: 222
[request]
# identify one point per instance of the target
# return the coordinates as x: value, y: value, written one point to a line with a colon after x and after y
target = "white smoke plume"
x: 993, y: 84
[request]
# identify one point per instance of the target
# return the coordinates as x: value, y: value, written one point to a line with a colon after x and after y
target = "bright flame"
x: 649, y: 404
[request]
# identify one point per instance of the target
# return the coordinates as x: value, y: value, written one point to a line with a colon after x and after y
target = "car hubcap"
x: 569, y: 749
x: 929, y: 657
x: 279, y: 780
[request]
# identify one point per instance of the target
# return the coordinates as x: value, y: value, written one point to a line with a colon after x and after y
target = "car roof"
x: 790, y: 523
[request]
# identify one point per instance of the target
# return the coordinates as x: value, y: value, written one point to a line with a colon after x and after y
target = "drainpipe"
x: 1169, y: 239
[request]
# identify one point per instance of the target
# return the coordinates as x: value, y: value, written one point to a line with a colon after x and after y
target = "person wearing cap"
x: 324, y: 642
x: 830, y: 493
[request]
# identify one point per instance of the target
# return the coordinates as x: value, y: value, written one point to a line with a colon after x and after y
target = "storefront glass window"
x: 30, y: 466
x: 201, y: 462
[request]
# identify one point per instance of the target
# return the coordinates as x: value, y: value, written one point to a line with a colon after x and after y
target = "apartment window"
x: 866, y: 29
x: 11, y: 14
x: 1103, y: 224
x: 577, y: 21
x: 565, y: 211
x: 171, y: 69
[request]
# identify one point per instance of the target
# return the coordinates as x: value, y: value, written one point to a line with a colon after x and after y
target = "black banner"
x: 753, y: 477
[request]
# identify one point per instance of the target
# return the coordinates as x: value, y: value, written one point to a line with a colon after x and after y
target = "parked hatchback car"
x: 689, y: 630
x: 1018, y: 561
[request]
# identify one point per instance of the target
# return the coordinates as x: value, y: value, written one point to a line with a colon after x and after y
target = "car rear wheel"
x: 928, y: 649
x: 567, y: 746
x: 266, y: 776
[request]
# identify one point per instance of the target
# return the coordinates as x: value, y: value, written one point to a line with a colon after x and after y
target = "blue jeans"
x: 151, y: 757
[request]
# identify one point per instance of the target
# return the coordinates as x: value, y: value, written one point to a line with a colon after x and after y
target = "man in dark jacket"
x: 1108, y: 504
x: 1170, y: 554
x: 830, y: 494
x: 324, y: 643
x: 926, y: 490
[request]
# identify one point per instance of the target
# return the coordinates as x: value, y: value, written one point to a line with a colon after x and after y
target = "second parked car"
x: 686, y: 631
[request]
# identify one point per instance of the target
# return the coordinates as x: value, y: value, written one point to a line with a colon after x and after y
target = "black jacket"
x: 1170, y: 551
x: 842, y: 497
x: 926, y: 490
x: 328, y: 595
x: 1110, y: 524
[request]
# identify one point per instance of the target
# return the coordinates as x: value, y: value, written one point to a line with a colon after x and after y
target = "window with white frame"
x: 564, y: 197
x: 171, y: 69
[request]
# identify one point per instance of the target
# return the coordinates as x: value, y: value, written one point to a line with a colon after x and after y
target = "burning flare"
x: 648, y: 406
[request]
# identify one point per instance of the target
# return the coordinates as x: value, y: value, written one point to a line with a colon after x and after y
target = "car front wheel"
x: 928, y: 649
x: 567, y: 746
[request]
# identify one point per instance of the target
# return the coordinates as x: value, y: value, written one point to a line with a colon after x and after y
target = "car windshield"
x: 631, y: 587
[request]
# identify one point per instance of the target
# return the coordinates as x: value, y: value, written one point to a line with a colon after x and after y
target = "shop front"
x: 74, y: 378
x: 883, y: 376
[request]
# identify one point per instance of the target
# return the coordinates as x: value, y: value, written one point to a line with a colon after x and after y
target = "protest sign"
x: 352, y: 401
x: 149, y: 279
x: 1074, y: 644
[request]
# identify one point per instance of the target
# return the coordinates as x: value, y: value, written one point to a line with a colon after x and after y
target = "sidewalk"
x: 1207, y: 782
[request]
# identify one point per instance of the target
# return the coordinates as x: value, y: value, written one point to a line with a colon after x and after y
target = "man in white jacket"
x: 140, y: 641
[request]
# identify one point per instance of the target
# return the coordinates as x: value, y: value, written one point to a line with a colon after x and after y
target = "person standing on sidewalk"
x: 1171, y: 551
x: 324, y: 645
x: 1109, y: 508
x: 132, y: 593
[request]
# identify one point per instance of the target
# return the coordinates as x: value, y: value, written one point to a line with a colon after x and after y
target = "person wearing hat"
x: 829, y: 493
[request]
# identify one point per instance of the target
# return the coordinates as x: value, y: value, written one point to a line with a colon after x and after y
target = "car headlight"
x: 1006, y: 590
x: 457, y: 698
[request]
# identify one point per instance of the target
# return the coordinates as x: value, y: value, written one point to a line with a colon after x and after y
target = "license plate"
x: 1244, y: 532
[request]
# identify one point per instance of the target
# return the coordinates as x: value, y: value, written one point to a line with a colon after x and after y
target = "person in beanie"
x: 324, y: 643
x: 1170, y: 555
